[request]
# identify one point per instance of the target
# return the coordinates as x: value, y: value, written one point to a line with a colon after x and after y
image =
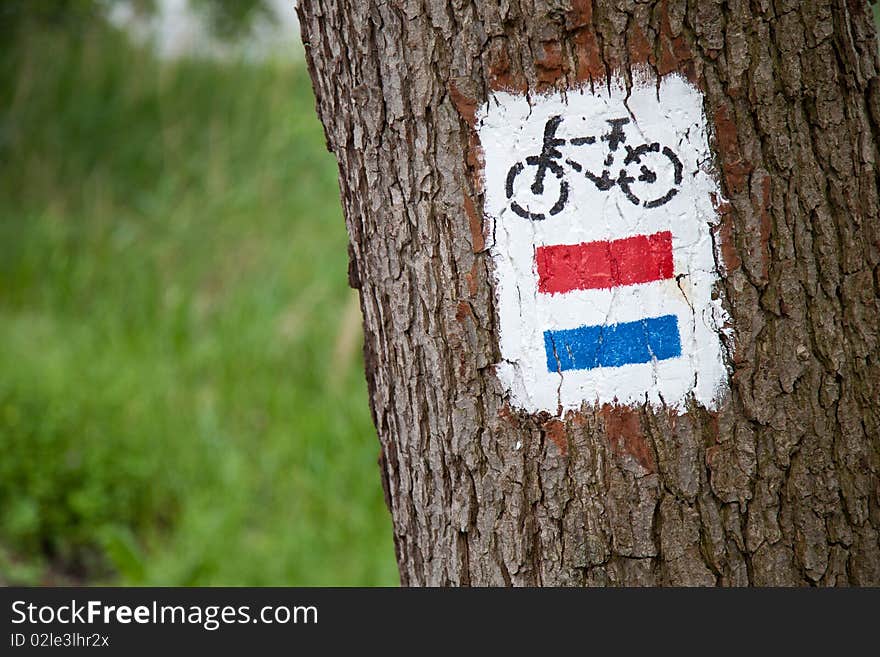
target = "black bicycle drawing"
x: 641, y: 164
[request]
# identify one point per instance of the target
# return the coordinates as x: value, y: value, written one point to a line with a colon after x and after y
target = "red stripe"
x: 591, y: 265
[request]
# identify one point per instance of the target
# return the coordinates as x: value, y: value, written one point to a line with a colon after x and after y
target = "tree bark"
x: 778, y: 486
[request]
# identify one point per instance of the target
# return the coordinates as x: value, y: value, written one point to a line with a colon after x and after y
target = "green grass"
x: 181, y: 386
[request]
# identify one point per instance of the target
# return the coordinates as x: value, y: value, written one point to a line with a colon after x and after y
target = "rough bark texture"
x: 779, y: 487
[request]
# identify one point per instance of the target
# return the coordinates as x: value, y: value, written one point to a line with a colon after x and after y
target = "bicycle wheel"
x: 651, y: 175
x: 533, y: 198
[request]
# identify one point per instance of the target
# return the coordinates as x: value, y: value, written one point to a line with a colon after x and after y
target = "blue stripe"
x: 612, y: 345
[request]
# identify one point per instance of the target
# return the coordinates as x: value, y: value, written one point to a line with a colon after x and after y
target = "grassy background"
x: 182, y: 397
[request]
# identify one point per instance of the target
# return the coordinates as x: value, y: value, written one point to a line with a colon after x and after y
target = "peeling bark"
x: 778, y: 487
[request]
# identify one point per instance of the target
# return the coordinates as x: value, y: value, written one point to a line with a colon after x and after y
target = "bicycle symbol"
x: 643, y: 168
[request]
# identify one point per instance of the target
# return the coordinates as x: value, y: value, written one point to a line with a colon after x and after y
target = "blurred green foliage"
x: 228, y: 18
x: 181, y: 388
x: 231, y: 18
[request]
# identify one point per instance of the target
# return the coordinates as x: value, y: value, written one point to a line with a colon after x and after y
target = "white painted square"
x: 511, y: 129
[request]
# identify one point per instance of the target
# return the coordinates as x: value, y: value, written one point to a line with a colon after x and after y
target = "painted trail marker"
x: 601, y: 209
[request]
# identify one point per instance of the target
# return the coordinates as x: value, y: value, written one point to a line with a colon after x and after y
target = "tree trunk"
x: 776, y: 483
